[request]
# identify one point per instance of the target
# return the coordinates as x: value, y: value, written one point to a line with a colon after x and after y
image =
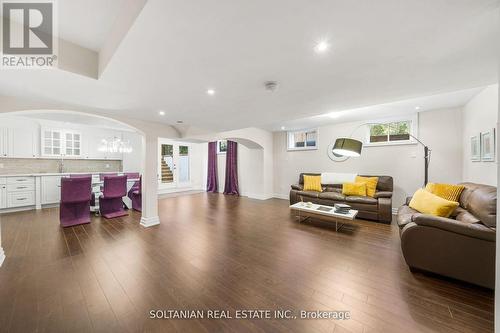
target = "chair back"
x: 132, y: 175
x: 76, y: 189
x: 115, y: 186
x: 102, y: 175
x: 80, y: 175
x: 139, y: 186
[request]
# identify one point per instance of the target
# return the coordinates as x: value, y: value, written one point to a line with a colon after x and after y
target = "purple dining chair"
x: 132, y: 175
x: 102, y: 175
x: 110, y: 202
x: 135, y: 194
x: 75, y: 201
x: 85, y: 175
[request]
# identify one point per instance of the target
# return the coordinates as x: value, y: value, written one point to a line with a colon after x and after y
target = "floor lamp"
x: 350, y: 147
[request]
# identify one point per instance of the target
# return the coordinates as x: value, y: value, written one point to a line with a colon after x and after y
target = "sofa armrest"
x: 474, y: 230
x: 383, y: 194
x: 407, y: 201
x: 297, y: 187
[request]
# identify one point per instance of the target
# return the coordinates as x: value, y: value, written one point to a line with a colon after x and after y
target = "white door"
x: 174, y: 165
x: 3, y: 196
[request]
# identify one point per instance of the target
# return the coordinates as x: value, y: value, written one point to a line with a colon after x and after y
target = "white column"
x: 150, y: 181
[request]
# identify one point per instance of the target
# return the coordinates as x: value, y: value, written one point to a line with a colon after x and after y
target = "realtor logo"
x: 28, y: 34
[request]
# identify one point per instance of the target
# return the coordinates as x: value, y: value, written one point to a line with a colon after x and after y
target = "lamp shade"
x: 347, y: 147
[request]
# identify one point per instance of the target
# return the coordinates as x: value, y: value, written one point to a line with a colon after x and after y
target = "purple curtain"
x: 231, y: 186
x: 212, y: 168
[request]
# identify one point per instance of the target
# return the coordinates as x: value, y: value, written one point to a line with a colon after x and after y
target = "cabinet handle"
x: 21, y: 199
x: 21, y: 187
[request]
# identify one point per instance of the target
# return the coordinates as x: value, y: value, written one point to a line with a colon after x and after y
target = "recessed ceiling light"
x: 322, y: 46
x: 211, y: 92
x: 282, y: 128
x: 161, y: 113
x: 417, y: 107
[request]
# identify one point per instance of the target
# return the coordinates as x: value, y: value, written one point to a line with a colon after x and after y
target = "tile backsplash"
x: 46, y: 165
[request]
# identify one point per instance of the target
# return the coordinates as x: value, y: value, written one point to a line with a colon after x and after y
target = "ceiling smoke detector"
x: 271, y: 85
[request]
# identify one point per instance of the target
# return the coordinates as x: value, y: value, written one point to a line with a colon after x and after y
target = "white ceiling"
x: 87, y: 22
x: 381, y: 51
x: 78, y: 118
x: 377, y: 112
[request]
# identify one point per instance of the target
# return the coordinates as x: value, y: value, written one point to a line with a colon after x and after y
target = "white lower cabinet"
x: 20, y: 191
x: 20, y: 199
x: 3, y: 193
x: 51, y: 189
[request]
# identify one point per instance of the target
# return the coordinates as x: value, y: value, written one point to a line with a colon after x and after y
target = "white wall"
x: 480, y: 115
x: 250, y: 171
x: 439, y: 129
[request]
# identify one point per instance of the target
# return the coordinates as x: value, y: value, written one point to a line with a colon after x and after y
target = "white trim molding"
x: 147, y: 222
x: 2, y: 256
x: 281, y: 196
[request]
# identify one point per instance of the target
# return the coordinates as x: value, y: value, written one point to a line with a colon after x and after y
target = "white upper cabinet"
x: 18, y: 142
x: 57, y: 142
x: 4, y: 142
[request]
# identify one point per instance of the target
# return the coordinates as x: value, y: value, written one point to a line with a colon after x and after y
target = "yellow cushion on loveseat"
x: 446, y: 191
x: 371, y: 184
x: 358, y: 189
x: 427, y: 203
x: 312, y: 183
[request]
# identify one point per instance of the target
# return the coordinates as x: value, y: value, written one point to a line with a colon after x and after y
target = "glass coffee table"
x: 322, y: 212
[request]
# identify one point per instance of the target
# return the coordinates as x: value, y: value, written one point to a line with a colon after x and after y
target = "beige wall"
x: 480, y: 115
x: 439, y: 129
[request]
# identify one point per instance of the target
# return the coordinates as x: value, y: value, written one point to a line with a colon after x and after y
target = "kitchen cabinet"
x: 51, y: 189
x: 23, y: 144
x: 3, y: 193
x: 4, y: 142
x: 20, y: 191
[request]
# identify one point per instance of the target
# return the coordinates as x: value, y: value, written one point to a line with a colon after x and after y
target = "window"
x: 56, y: 142
x: 221, y: 146
x: 303, y: 140
x: 391, y: 132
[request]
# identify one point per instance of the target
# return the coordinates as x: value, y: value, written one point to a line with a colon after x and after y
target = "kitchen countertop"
x: 53, y: 174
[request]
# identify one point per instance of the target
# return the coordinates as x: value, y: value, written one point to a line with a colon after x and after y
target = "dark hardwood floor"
x: 218, y: 252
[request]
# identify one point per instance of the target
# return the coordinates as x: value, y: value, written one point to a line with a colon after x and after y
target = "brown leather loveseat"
x: 378, y: 208
x: 460, y: 247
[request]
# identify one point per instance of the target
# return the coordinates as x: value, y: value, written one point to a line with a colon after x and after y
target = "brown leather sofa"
x: 462, y: 246
x: 378, y: 208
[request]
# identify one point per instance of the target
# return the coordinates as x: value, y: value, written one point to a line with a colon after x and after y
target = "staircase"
x: 166, y: 174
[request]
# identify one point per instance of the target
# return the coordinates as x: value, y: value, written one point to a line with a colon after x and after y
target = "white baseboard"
x: 394, y: 211
x: 281, y: 196
x: 2, y: 256
x: 257, y: 196
x: 147, y: 222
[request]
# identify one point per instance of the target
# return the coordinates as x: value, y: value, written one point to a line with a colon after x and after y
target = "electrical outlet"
x: 1, y: 165
x: 107, y: 166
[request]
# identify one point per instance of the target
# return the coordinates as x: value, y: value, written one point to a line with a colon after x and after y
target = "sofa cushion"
x: 481, y: 201
x: 446, y: 191
x: 371, y: 184
x: 361, y: 199
x: 308, y: 194
x: 334, y: 195
x: 358, y: 189
x: 405, y: 215
x: 427, y: 203
x: 312, y: 183
x: 465, y: 217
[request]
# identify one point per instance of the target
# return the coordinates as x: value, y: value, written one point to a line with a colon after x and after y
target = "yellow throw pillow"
x: 427, y: 203
x: 446, y: 191
x: 312, y: 183
x: 354, y: 189
x: 371, y: 184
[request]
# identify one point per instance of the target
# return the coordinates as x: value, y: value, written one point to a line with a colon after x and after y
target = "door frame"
x: 175, y: 185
